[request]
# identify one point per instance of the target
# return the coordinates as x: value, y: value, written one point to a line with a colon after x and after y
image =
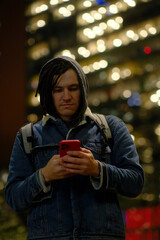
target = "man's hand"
x: 80, y: 162
x: 54, y: 170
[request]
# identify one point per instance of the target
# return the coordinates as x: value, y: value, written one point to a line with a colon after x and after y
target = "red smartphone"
x: 68, y: 145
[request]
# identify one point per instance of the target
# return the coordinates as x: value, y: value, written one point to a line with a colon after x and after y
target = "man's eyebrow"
x: 72, y: 85
x: 57, y: 87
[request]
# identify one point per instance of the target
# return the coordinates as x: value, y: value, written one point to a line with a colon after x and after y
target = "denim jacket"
x: 79, y: 207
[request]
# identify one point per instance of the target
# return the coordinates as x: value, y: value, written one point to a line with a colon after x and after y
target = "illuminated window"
x: 36, y: 8
x: 36, y: 22
x: 63, y: 11
x: 38, y: 51
x: 32, y: 100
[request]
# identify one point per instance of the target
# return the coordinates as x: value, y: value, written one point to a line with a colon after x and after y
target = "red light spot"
x: 147, y: 50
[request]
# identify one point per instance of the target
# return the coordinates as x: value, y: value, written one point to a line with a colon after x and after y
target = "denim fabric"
x: 74, y: 208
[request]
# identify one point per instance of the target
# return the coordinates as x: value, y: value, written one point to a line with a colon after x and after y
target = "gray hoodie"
x: 58, y: 66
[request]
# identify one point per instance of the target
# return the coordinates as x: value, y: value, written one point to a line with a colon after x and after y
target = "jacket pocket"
x: 100, y: 152
x: 42, y: 154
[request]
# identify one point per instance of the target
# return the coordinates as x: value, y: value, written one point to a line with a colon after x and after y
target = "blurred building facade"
x: 117, y: 44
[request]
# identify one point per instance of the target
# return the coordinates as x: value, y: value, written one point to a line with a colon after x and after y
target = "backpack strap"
x: 27, y: 137
x: 106, y: 136
x: 101, y: 121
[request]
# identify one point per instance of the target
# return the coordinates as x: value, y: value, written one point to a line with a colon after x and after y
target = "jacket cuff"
x: 97, y: 182
x: 45, y: 188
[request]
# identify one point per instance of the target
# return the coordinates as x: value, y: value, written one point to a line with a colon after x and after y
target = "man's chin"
x: 67, y: 110
x: 67, y: 113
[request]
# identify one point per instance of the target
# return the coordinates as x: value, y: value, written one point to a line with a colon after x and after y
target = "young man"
x: 75, y: 196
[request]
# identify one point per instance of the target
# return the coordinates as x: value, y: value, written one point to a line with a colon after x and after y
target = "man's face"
x: 66, y: 95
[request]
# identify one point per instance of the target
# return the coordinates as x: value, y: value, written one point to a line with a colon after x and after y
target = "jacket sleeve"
x: 124, y: 175
x: 23, y: 183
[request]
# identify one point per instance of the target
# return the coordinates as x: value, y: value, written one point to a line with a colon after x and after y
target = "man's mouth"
x: 66, y: 105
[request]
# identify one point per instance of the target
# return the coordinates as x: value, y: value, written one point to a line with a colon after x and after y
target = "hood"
x: 45, y: 85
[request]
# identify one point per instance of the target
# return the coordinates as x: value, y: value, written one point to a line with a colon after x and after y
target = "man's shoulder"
x: 30, y: 129
x: 38, y: 125
x: 113, y: 121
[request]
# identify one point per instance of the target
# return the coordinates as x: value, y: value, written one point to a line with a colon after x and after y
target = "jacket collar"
x: 87, y: 113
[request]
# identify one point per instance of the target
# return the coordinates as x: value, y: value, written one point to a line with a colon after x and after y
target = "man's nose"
x: 66, y: 94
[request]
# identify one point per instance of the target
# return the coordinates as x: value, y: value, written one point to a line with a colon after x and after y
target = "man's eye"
x: 57, y: 90
x: 74, y: 88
